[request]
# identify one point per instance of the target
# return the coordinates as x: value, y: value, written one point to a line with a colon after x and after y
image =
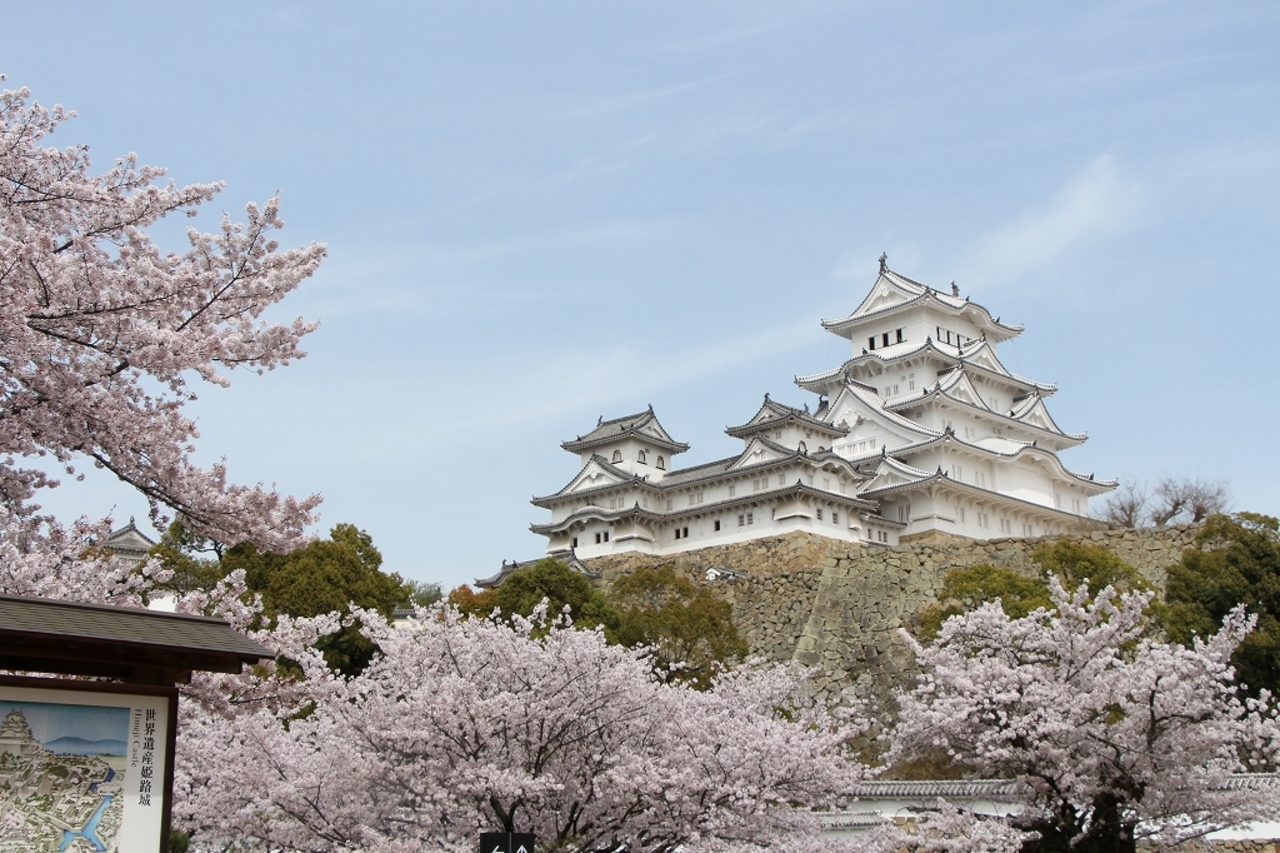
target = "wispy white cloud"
x: 1098, y: 202
x: 624, y: 376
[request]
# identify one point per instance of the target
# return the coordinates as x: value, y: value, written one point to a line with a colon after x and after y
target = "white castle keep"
x: 922, y: 432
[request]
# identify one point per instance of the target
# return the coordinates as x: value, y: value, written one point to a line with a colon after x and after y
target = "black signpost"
x: 506, y: 842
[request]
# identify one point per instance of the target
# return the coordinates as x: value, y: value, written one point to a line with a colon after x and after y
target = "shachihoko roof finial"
x: 955, y: 291
x: 884, y: 262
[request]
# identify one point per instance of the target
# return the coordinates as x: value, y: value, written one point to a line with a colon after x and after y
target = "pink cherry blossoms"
x: 100, y: 331
x: 1118, y: 736
x: 466, y: 725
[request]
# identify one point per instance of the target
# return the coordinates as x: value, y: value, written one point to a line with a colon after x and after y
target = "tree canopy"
x: 522, y: 591
x: 690, y: 631
x: 1118, y: 737
x: 1236, y: 560
x: 325, y: 576
x: 1072, y: 563
x: 101, y: 331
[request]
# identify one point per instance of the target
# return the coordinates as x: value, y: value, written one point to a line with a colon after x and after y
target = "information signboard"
x: 87, y: 764
x: 506, y: 842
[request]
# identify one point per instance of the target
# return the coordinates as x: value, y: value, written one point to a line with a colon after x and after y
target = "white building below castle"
x: 921, y: 431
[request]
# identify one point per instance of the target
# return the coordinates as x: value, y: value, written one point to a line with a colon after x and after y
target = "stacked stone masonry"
x: 839, y: 607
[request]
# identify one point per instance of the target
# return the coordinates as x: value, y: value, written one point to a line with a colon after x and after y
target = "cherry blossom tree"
x: 1119, y: 737
x: 471, y: 724
x: 102, y: 334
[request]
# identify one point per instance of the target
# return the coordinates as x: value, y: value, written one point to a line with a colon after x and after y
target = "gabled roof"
x: 894, y: 293
x: 1006, y: 448
x: 596, y: 468
x: 957, y: 387
x: 776, y: 454
x: 773, y: 414
x: 638, y: 514
x: 867, y: 401
x: 977, y: 355
x: 643, y: 426
x: 129, y: 542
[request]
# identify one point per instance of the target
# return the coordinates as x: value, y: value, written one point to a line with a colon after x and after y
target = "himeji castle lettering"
x: 921, y: 432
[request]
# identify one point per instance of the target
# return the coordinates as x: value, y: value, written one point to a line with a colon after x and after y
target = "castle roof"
x: 977, y: 355
x: 773, y: 414
x: 956, y: 387
x: 894, y: 294
x: 1005, y: 448
x: 760, y: 454
x: 638, y: 513
x: 643, y: 426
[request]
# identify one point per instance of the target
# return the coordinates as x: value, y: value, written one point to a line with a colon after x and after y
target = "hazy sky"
x: 538, y: 214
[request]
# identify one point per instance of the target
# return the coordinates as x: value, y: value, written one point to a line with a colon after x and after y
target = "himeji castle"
x: 921, y: 433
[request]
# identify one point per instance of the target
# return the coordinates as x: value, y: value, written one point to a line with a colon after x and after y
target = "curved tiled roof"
x: 1005, y: 448
x: 644, y: 426
x: 697, y: 474
x: 918, y: 295
x: 594, y: 513
x: 814, y: 382
x: 772, y: 414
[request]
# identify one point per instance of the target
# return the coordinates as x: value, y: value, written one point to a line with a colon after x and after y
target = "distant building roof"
x: 129, y: 543
x: 643, y: 426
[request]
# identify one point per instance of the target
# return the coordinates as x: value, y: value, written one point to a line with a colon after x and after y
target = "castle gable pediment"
x: 760, y: 452
x: 595, y: 474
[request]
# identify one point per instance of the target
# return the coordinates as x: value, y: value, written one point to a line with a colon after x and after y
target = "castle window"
x: 750, y: 518
x: 597, y: 538
x: 886, y: 338
x: 617, y: 456
x: 575, y: 542
x: 960, y: 514
x: 819, y: 513
x: 641, y: 457
x: 835, y: 517
x: 871, y: 342
x: 717, y: 525
x: 742, y: 520
x: 669, y: 504
x: 662, y: 464
x: 899, y: 333
x: 695, y: 498
x: 733, y: 490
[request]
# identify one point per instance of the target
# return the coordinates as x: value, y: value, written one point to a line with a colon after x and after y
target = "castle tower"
x: 950, y: 439
x: 922, y: 432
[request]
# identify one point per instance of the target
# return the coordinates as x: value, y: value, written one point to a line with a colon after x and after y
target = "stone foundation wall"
x: 772, y: 600
x: 865, y: 596
x: 839, y: 606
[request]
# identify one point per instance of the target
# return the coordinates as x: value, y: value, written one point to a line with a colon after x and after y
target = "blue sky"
x: 538, y: 214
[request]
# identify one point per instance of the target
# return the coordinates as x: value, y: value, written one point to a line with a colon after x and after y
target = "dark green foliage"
x: 325, y: 576
x: 524, y: 589
x: 685, y: 624
x: 1236, y: 560
x: 966, y: 589
x: 1072, y: 563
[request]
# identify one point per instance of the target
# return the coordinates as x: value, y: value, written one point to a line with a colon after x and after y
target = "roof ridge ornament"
x: 955, y: 291
x: 884, y: 262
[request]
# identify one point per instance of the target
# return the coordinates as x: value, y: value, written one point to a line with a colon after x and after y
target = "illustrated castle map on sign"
x: 921, y: 432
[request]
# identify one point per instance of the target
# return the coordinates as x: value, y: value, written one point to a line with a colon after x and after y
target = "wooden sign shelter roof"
x: 136, y: 645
